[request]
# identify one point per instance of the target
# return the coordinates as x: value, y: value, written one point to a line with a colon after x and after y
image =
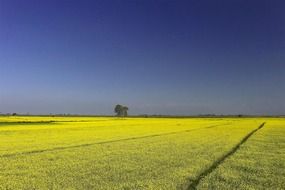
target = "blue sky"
x: 156, y: 57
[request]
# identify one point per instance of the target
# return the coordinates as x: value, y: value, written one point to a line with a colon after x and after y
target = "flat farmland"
x: 141, y: 153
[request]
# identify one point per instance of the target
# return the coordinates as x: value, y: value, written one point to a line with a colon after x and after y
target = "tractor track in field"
x: 107, y: 142
x: 194, y: 183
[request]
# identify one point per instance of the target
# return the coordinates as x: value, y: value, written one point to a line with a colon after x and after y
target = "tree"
x: 118, y: 109
x: 125, y: 111
x: 121, y: 111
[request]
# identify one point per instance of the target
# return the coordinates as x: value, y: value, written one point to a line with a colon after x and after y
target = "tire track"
x: 194, y: 183
x: 107, y: 142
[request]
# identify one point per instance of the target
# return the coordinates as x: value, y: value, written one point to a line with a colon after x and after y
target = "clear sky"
x: 155, y: 56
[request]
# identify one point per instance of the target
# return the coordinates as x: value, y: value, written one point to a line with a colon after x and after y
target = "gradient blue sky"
x: 156, y: 56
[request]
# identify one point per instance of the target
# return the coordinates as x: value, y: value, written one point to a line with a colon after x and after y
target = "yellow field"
x: 141, y: 153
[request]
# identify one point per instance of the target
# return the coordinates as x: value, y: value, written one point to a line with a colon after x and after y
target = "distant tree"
x: 118, y: 109
x: 121, y: 111
x: 13, y: 114
x: 125, y: 111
